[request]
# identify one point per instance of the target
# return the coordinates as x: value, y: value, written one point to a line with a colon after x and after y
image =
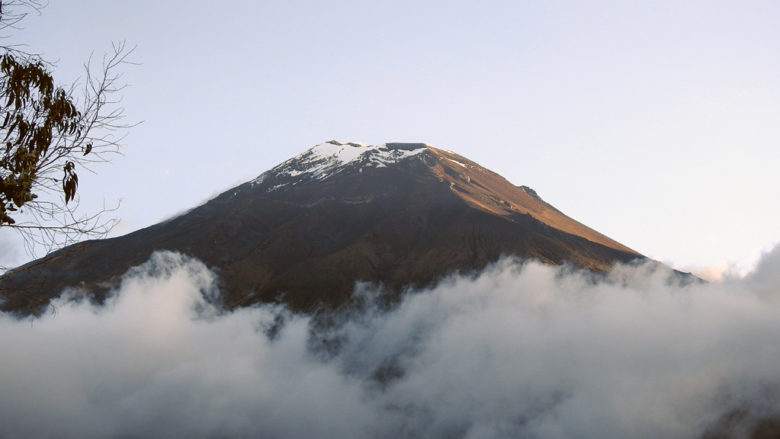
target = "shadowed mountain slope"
x: 399, y: 214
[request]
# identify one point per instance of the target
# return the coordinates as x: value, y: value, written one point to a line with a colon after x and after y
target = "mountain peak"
x: 329, y: 158
x: 399, y: 214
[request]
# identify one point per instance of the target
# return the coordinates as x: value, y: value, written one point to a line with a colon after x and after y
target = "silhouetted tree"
x: 49, y: 134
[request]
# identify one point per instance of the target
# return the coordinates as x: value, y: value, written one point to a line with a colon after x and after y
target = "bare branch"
x: 14, y: 11
x: 49, y: 134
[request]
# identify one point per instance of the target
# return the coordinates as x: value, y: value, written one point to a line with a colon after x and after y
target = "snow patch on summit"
x: 331, y: 157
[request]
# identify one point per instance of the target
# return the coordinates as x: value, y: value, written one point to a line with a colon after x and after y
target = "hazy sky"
x: 655, y: 123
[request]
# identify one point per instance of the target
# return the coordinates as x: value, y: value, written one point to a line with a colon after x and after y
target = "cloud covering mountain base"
x: 520, y: 350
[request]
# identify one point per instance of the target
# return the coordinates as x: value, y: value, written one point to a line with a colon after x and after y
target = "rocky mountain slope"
x: 397, y: 214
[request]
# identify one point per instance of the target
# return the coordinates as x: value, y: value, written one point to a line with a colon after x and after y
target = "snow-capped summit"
x: 327, y: 159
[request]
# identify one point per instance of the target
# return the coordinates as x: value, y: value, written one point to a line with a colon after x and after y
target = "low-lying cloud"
x: 522, y: 350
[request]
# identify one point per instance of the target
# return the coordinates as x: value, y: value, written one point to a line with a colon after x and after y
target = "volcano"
x: 401, y: 215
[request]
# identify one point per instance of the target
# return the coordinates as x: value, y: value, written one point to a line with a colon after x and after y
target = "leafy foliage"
x: 49, y: 134
x: 34, y: 114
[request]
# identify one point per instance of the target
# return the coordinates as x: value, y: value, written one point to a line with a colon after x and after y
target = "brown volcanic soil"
x: 491, y: 192
x: 408, y: 224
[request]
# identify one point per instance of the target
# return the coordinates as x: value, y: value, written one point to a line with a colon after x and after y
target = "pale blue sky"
x: 656, y: 123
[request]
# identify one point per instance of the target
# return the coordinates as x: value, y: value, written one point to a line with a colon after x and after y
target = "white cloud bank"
x: 523, y: 350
